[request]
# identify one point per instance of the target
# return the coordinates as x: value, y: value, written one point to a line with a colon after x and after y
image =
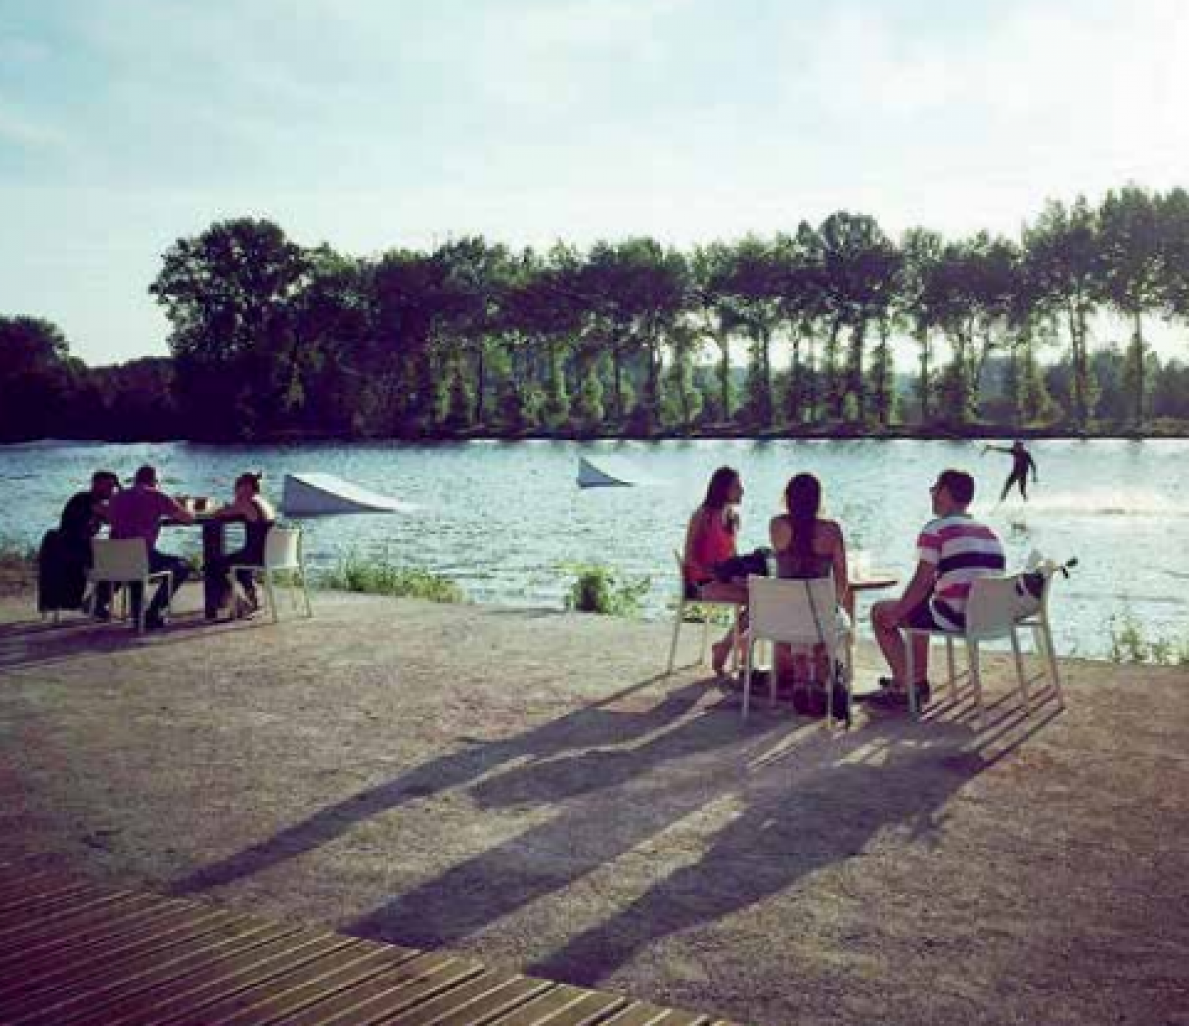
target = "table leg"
x: 212, y: 549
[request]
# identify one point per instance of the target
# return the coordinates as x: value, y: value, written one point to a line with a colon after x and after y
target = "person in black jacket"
x: 82, y: 518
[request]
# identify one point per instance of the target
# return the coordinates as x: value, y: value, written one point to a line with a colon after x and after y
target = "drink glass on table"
x: 860, y: 564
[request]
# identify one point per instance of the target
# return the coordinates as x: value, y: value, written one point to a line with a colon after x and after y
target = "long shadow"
x: 609, y: 801
x: 828, y: 816
x: 35, y: 644
x: 591, y: 726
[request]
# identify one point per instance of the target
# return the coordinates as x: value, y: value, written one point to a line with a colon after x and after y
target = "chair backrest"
x: 784, y: 610
x: 991, y: 607
x: 119, y: 559
x: 282, y: 548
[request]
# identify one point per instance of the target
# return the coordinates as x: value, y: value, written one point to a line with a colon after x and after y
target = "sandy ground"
x: 529, y: 787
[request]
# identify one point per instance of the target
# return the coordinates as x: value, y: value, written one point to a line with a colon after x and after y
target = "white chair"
x: 126, y: 561
x: 282, y: 554
x: 797, y: 612
x: 991, y: 615
x: 684, y: 603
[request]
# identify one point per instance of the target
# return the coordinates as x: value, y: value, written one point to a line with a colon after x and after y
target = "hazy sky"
x: 125, y: 124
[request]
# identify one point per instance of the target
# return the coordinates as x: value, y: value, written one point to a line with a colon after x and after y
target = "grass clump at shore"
x: 599, y: 589
x: 17, y: 558
x: 1130, y: 643
x: 380, y: 576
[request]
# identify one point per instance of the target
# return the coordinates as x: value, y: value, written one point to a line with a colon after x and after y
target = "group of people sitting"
x: 953, y: 549
x: 138, y: 511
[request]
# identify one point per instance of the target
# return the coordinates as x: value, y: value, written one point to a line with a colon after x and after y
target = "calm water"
x: 506, y: 519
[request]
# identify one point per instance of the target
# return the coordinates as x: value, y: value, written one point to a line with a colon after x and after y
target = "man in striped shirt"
x: 953, y: 550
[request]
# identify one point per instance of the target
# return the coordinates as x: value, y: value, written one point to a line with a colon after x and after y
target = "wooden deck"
x: 75, y: 952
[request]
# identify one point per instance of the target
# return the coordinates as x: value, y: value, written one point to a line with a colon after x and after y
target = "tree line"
x: 788, y: 333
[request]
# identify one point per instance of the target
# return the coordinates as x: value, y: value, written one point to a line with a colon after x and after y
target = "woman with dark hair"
x: 808, y: 545
x: 710, y: 540
x: 257, y: 515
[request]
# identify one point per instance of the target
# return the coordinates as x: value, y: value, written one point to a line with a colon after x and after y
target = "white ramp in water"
x: 316, y: 495
x: 607, y: 472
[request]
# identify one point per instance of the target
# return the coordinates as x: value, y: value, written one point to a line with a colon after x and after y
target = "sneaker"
x: 892, y: 697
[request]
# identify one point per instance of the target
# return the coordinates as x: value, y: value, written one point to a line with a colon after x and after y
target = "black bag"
x: 810, y: 697
x: 61, y: 574
x: 754, y: 563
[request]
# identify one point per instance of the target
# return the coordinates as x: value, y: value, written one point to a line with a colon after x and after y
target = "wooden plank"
x: 637, y: 1014
x: 640, y: 1013
x: 564, y: 1006
x: 152, y: 971
x: 17, y: 907
x: 293, y: 990
x: 165, y: 991
x: 374, y: 959
x: 72, y: 952
x: 477, y: 1001
x: 113, y: 956
x: 42, y: 882
x: 385, y: 996
x: 94, y: 917
x: 72, y: 933
x: 39, y: 918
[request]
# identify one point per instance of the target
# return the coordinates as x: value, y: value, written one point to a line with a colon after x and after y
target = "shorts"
x: 925, y: 618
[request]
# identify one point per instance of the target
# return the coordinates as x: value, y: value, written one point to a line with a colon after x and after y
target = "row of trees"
x: 789, y: 332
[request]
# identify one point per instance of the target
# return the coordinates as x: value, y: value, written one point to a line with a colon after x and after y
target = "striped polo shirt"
x: 961, y: 549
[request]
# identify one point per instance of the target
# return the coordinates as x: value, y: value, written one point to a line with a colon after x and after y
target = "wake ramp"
x: 607, y: 472
x: 317, y: 495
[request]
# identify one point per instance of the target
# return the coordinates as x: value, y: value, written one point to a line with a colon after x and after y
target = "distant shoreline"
x: 988, y: 434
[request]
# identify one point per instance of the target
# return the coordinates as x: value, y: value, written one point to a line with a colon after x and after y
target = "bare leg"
x: 891, y: 643
x: 726, y: 591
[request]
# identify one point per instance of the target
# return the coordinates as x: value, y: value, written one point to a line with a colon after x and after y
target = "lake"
x: 506, y: 519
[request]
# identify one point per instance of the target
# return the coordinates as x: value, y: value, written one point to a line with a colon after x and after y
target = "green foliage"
x: 16, y: 558
x: 598, y: 589
x: 380, y: 576
x: 1130, y: 643
x: 270, y: 338
x: 588, y: 405
x: 37, y: 375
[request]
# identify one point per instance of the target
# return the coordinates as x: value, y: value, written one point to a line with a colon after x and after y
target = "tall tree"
x: 751, y: 291
x: 710, y: 270
x: 861, y: 267
x: 1132, y: 273
x: 919, y: 302
x: 227, y: 295
x: 37, y: 376
x: 1064, y: 258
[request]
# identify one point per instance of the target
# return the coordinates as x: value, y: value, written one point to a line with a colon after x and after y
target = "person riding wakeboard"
x: 1021, y: 462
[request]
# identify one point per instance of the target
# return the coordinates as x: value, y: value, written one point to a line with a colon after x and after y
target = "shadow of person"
x: 828, y: 815
x: 595, y: 725
x: 607, y: 803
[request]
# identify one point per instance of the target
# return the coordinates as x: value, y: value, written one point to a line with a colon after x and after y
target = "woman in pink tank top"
x: 710, y: 540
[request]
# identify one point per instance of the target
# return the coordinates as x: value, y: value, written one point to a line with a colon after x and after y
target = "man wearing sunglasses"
x: 953, y: 549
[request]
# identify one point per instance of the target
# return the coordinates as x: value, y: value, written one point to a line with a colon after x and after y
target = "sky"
x: 126, y: 124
